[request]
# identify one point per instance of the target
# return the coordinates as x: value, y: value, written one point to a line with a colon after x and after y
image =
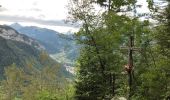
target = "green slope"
x: 21, y: 54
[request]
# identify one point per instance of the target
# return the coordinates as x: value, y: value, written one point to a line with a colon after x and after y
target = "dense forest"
x: 42, y: 79
x: 124, y: 55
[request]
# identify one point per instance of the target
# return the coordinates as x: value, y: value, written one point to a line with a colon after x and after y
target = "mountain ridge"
x: 14, y: 50
x: 55, y: 43
x: 10, y: 33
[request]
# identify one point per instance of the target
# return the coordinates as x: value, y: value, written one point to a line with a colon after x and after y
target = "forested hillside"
x: 16, y: 48
x: 125, y: 53
x: 27, y: 72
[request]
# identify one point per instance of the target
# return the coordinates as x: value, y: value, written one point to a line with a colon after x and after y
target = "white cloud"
x: 46, y: 13
x: 51, y: 9
x: 42, y: 12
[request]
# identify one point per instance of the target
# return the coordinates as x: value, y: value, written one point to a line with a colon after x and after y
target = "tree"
x: 154, y: 74
x: 162, y: 37
x: 13, y: 83
x: 92, y: 80
x: 100, y: 63
x: 31, y: 83
x: 100, y: 60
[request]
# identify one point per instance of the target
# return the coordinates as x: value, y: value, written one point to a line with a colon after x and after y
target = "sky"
x: 43, y: 13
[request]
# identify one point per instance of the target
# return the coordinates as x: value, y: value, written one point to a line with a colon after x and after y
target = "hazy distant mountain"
x: 54, y: 42
x: 20, y: 49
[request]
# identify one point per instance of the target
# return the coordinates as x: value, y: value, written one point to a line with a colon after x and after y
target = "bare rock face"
x: 9, y: 33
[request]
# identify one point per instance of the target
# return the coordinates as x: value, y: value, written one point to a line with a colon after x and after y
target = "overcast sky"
x: 43, y: 13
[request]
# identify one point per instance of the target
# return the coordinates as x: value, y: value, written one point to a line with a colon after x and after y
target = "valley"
x: 61, y: 47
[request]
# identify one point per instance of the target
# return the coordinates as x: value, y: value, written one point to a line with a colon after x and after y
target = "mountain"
x: 55, y: 43
x: 9, y: 33
x: 16, y: 48
x: 21, y: 50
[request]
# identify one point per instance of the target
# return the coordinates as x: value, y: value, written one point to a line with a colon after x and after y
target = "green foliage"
x: 31, y: 83
x: 20, y: 53
x: 100, y: 72
x: 45, y: 95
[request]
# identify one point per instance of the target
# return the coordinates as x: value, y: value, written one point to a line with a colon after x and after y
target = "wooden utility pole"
x: 129, y: 66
